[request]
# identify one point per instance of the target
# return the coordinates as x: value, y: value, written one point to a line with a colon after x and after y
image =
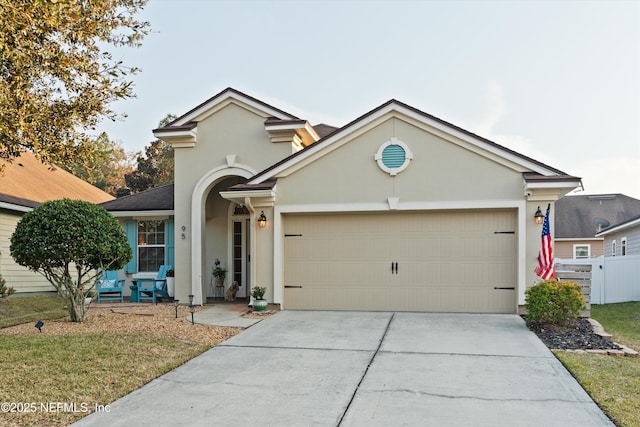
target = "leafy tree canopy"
x: 155, y: 168
x: 57, y: 78
x: 104, y: 167
x: 68, y: 242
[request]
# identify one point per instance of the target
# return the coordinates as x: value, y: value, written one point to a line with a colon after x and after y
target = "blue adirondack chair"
x: 109, y: 288
x: 150, y: 289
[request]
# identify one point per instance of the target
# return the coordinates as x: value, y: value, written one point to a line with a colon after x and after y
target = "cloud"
x: 610, y: 175
x: 496, y: 107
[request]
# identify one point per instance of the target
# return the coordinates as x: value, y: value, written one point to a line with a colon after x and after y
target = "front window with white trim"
x: 151, y: 244
x: 581, y: 251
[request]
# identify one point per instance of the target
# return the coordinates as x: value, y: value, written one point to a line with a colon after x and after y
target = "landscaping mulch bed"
x: 153, y: 320
x: 577, y: 336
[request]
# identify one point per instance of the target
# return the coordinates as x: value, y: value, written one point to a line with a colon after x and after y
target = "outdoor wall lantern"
x: 176, y: 302
x: 539, y: 216
x: 262, y: 220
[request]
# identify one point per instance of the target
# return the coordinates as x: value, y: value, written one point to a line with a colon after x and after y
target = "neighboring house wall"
x: 18, y: 277
x: 627, y: 240
x: 24, y: 185
x: 575, y: 248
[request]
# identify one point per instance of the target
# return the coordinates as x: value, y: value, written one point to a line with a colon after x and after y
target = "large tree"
x: 57, y: 78
x: 70, y: 242
x: 156, y: 167
x: 104, y: 167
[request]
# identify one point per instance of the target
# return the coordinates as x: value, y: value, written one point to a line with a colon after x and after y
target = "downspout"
x: 252, y: 245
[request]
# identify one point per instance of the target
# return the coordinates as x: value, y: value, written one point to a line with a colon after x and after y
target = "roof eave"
x: 620, y: 227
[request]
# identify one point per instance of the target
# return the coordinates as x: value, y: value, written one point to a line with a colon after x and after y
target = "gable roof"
x: 183, y: 131
x: 229, y: 93
x: 154, y: 199
x: 580, y: 217
x: 533, y: 171
x: 632, y: 222
x: 26, y: 182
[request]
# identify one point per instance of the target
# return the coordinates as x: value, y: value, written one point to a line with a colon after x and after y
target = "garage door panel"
x: 447, y: 261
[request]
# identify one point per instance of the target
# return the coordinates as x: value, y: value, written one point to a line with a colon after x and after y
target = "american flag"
x: 545, y: 268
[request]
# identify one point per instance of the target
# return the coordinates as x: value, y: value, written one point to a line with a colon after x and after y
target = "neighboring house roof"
x: 26, y: 182
x: 584, y: 216
x: 632, y: 222
x: 154, y: 199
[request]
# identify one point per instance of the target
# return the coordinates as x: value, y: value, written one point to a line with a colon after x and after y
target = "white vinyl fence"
x: 613, y: 279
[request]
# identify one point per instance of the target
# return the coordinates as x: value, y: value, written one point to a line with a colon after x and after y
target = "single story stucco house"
x: 397, y: 210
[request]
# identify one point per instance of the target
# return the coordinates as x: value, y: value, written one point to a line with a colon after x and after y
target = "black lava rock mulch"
x: 577, y: 336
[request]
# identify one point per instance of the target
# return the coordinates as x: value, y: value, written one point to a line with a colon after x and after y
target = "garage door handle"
x: 505, y: 288
x: 394, y: 268
x: 292, y: 286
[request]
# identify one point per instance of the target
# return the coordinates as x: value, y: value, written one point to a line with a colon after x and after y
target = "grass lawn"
x: 613, y: 382
x: 15, y: 310
x: 81, y: 369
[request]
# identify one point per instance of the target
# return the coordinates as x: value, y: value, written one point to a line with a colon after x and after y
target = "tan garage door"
x: 449, y: 261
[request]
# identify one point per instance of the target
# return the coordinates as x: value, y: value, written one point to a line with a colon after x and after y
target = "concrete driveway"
x: 366, y: 369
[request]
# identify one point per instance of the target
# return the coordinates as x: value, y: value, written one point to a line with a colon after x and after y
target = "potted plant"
x: 259, y: 303
x: 219, y: 273
x: 88, y: 296
x: 171, y: 283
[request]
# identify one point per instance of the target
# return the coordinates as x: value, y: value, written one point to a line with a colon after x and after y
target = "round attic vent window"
x: 393, y: 156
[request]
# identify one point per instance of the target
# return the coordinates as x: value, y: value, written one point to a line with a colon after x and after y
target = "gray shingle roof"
x: 154, y: 199
x: 579, y: 216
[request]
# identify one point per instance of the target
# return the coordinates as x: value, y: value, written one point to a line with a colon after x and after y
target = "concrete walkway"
x: 366, y: 369
x: 225, y: 314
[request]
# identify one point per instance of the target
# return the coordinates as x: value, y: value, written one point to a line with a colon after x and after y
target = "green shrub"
x: 4, y: 290
x: 554, y: 302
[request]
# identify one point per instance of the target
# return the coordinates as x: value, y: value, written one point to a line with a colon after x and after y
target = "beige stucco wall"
x: 439, y: 172
x: 232, y: 130
x: 17, y: 276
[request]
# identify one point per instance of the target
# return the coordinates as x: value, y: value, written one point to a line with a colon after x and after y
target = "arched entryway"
x: 218, y: 233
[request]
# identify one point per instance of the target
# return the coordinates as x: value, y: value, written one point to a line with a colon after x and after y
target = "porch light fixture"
x: 539, y: 216
x: 176, y: 302
x: 262, y: 220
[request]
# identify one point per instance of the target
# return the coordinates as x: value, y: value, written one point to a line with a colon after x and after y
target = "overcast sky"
x: 555, y: 80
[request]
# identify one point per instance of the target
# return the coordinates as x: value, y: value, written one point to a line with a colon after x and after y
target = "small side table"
x: 218, y: 291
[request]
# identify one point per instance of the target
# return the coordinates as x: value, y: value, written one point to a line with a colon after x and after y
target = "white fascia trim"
x: 179, y: 138
x: 225, y: 99
x: 240, y: 196
x: 141, y: 214
x: 520, y: 205
x: 618, y: 228
x: 12, y: 207
x: 401, y: 206
x: 525, y: 164
x: 551, y: 185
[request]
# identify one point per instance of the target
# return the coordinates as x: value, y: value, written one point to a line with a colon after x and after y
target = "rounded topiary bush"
x: 554, y: 302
